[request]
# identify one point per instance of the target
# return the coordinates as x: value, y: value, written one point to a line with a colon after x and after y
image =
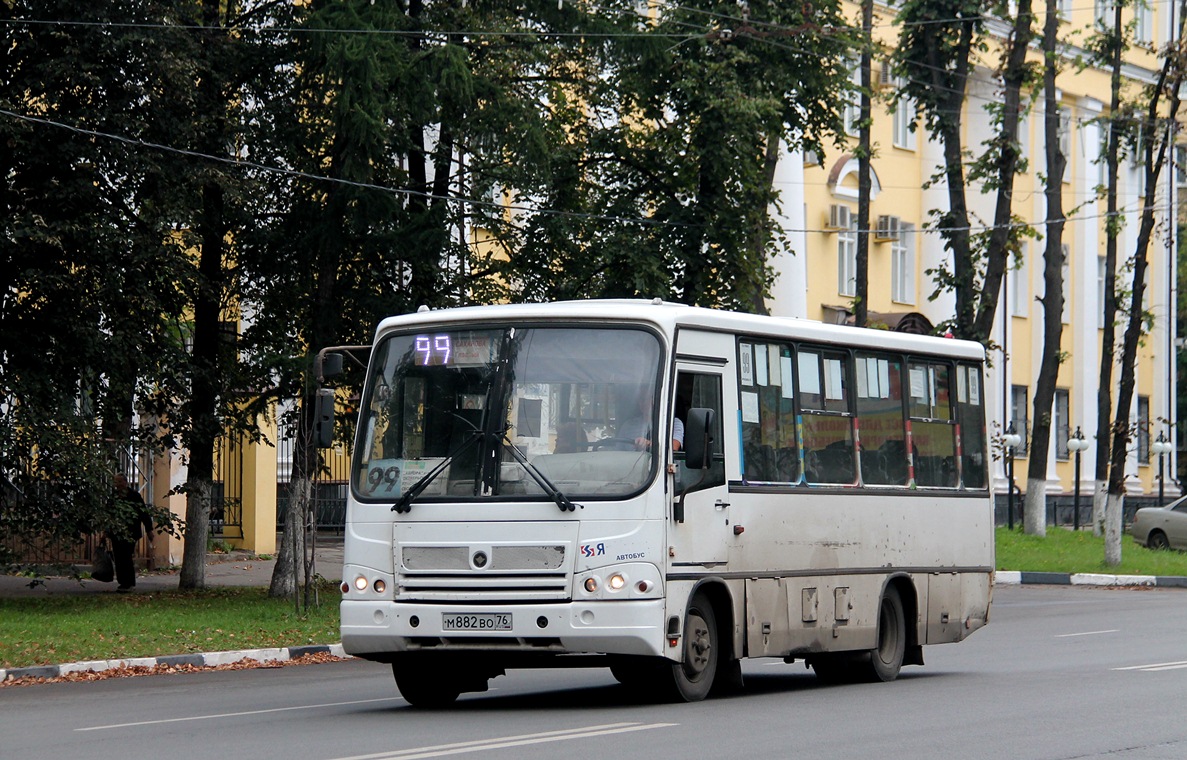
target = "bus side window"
x: 827, y: 419
x: 767, y: 390
x: 700, y: 390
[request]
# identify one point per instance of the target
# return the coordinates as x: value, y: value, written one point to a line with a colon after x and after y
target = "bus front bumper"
x: 373, y: 629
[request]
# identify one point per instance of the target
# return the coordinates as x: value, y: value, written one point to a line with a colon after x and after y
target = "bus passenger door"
x: 700, y: 496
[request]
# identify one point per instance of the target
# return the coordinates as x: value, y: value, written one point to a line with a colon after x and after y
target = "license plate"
x: 476, y: 621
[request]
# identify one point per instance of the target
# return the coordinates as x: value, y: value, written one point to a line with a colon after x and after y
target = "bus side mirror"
x: 323, y: 424
x: 331, y: 365
x: 698, y: 439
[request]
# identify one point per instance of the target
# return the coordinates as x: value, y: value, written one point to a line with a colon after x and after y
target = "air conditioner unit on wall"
x: 839, y: 216
x: 889, y: 228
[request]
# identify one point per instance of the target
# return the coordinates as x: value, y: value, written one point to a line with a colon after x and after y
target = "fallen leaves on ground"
x: 316, y: 658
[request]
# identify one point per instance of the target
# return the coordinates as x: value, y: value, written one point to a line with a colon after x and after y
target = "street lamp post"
x: 1161, y: 447
x: 1011, y: 440
x: 1077, y: 444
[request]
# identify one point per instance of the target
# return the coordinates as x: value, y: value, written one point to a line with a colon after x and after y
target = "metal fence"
x: 330, y: 485
x: 1061, y: 508
x: 226, y: 495
x: 133, y: 462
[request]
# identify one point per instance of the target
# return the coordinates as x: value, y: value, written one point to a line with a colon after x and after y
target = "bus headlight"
x: 360, y: 583
x: 637, y: 580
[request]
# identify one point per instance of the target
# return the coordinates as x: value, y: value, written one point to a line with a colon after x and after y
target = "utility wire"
x: 501, y: 207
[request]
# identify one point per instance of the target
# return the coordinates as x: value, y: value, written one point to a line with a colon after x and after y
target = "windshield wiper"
x: 547, y: 485
x: 404, y: 503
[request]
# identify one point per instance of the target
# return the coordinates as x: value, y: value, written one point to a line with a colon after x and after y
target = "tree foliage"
x: 307, y: 168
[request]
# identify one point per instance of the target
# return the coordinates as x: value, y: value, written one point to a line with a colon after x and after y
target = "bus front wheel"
x: 692, y: 678
x: 425, y: 687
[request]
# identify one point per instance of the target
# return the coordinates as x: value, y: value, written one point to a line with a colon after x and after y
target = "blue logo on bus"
x: 593, y: 550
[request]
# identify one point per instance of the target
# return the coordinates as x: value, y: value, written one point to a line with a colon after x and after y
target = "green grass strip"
x: 1067, y: 551
x: 59, y: 629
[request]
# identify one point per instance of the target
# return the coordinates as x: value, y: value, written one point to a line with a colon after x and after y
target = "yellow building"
x: 820, y: 202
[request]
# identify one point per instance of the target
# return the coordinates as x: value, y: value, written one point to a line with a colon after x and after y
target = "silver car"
x: 1162, y: 527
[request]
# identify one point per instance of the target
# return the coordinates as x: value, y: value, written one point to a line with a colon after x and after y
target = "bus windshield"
x: 512, y: 412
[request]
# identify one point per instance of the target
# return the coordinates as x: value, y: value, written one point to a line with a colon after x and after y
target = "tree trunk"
x: 1035, y: 510
x: 1003, y: 237
x: 287, y: 574
x: 1104, y: 388
x: 1114, y: 508
x: 203, y: 404
x: 862, y: 286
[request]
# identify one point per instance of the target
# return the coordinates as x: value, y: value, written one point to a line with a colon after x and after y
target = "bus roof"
x: 669, y: 317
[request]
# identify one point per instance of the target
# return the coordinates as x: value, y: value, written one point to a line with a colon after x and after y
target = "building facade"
x: 820, y: 203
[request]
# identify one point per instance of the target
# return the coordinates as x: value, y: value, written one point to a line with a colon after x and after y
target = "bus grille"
x: 513, y: 573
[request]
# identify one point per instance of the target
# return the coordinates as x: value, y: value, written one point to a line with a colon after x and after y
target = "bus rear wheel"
x: 691, y: 679
x: 886, y: 659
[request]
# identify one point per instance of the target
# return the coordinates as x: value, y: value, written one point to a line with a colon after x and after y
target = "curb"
x: 1015, y: 577
x: 208, y: 660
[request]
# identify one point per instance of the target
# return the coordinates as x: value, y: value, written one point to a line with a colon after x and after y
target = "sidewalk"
x: 236, y: 568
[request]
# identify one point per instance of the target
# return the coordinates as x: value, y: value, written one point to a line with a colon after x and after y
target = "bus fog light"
x: 591, y: 584
x: 345, y: 587
x: 643, y: 587
x: 616, y: 582
x: 360, y: 583
x: 379, y: 586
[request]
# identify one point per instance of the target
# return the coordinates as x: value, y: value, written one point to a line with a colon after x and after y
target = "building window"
x: 1143, y: 23
x: 1065, y: 274
x: 847, y: 259
x: 1103, y: 12
x: 1181, y: 168
x: 1144, y: 429
x: 1019, y: 290
x: 904, y: 121
x: 902, y: 265
x: 1060, y: 423
x: 1065, y: 137
x: 1019, y: 411
x: 1101, y: 280
x: 852, y: 111
x: 1023, y: 135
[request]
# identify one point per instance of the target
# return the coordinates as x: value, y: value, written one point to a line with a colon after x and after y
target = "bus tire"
x: 691, y: 679
x: 886, y: 659
x: 422, y: 687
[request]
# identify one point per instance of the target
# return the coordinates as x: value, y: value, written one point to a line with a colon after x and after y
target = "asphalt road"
x: 1060, y: 672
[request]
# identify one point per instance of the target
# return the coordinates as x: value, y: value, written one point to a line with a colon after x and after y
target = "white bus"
x: 521, y: 496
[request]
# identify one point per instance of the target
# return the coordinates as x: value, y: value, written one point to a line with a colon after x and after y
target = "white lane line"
x: 1085, y: 633
x: 522, y: 740
x: 1157, y: 666
x: 235, y: 715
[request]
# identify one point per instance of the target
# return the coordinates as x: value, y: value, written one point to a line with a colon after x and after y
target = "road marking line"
x: 522, y: 740
x: 235, y: 715
x: 1085, y: 633
x: 1157, y: 666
